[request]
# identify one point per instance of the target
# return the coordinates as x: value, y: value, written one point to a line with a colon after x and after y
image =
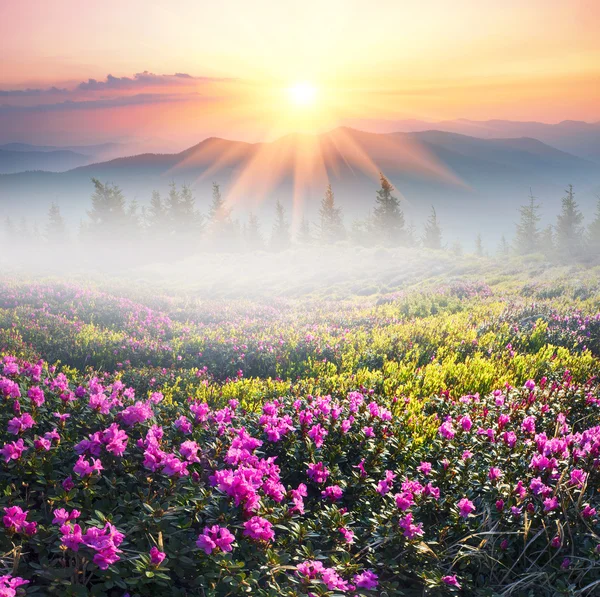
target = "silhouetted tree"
x: 56, y: 231
x: 432, y: 238
x: 332, y: 226
x: 503, y: 247
x: 156, y: 219
x: 547, y: 244
x: 527, y: 237
x: 304, y: 236
x: 388, y: 219
x: 479, y: 246
x: 280, y: 238
x: 569, y: 227
x: 108, y: 214
x: 252, y: 234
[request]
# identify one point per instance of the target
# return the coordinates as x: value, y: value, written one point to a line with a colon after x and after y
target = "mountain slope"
x: 484, y: 179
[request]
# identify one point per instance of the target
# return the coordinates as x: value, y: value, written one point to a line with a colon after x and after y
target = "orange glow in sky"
x: 261, y: 69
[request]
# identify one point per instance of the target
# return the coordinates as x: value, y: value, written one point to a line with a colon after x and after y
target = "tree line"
x: 174, y: 223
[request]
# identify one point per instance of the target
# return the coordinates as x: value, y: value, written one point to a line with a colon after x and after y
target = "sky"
x: 168, y: 73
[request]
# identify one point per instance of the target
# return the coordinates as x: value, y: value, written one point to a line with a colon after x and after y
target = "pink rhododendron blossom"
x: 259, y: 529
x: 157, y: 556
x: 465, y: 507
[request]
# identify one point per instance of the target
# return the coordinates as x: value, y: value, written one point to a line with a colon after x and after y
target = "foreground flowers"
x: 307, y: 491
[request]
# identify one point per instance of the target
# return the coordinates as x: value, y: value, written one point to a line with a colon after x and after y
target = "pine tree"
x: 304, y: 235
x: 56, y: 231
x: 217, y: 212
x: 388, y: 219
x: 252, y: 234
x: 280, y: 238
x: 479, y: 246
x: 108, y: 214
x: 156, y: 216
x: 503, y: 247
x: 432, y: 238
x: 332, y: 226
x: 594, y: 232
x: 527, y: 237
x: 569, y: 227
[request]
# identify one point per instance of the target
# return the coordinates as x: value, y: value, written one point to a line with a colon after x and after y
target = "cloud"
x: 142, y: 80
x: 31, y: 92
x: 115, y: 102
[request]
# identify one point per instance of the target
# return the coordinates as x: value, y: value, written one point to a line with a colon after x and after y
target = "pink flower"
x: 425, y: 468
x: 317, y: 434
x: 317, y: 472
x: 136, y: 413
x: 333, y: 492
x: 411, y: 530
x: 495, y: 473
x: 183, y: 425
x: 446, y: 430
x: 13, y: 450
x: 385, y: 485
x: 550, y: 504
x: 259, y: 529
x: 83, y: 468
x: 451, y: 581
x: 115, y: 440
x: 61, y: 516
x: 14, y: 518
x: 36, y: 395
x: 297, y: 495
x: 404, y: 500
x: 9, y: 585
x: 528, y: 424
x: 465, y: 507
x: 466, y: 423
x: 19, y: 424
x: 157, y: 556
x: 578, y: 477
x: 366, y: 580
x: 348, y: 535
x: 368, y: 431
x: 72, y: 536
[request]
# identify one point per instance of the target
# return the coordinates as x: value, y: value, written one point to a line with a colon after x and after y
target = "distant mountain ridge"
x: 573, y: 136
x: 485, y: 179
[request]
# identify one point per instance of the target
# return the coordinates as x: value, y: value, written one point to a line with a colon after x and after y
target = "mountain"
x: 576, y: 137
x: 90, y: 150
x: 475, y: 184
x: 51, y: 160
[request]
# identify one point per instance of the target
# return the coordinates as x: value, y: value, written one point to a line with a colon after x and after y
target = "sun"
x: 302, y: 94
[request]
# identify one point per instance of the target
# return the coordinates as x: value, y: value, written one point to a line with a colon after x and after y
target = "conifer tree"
x: 280, y: 238
x: 503, y: 247
x: 569, y: 227
x: 252, y: 233
x: 56, y: 231
x: 479, y: 246
x: 388, y: 218
x: 332, y: 226
x: 304, y: 235
x: 528, y: 234
x: 547, y: 243
x: 108, y: 213
x: 432, y: 238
